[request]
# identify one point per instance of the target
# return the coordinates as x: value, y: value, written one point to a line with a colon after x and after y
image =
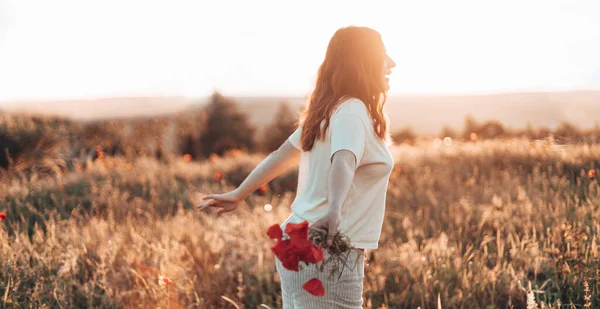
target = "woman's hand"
x: 329, y: 223
x: 225, y: 202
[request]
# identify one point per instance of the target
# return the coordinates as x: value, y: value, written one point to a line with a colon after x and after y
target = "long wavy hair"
x: 353, y: 68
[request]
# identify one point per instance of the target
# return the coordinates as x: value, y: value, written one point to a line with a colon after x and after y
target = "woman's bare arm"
x: 341, y: 175
x: 271, y: 167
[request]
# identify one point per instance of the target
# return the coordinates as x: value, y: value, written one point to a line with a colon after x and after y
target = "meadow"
x: 475, y: 223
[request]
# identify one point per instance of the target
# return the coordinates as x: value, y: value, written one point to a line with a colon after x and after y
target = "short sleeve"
x: 295, y: 138
x: 348, y: 132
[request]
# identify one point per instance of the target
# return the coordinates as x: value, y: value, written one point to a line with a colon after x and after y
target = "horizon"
x: 273, y: 96
x: 424, y: 114
x: 244, y: 50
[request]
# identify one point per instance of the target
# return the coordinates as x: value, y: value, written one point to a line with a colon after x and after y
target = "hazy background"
x: 521, y: 62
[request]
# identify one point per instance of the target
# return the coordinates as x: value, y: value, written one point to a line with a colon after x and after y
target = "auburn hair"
x: 353, y: 68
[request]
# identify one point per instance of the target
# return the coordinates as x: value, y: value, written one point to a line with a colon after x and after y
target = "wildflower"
x: 297, y: 231
x: 2, y: 215
x: 263, y: 189
x: 164, y: 280
x: 187, y: 157
x: 285, y: 252
x: 314, y: 287
x: 218, y: 176
x: 592, y: 174
x: 275, y: 232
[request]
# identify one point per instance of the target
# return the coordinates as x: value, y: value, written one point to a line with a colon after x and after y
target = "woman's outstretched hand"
x: 329, y: 223
x: 225, y: 202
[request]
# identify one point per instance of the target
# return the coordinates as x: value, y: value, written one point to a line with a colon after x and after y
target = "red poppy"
x: 164, y: 280
x: 263, y: 189
x: 2, y: 215
x: 275, y: 232
x: 314, y: 255
x: 287, y: 254
x: 314, y: 287
x: 298, y: 231
x: 297, y: 248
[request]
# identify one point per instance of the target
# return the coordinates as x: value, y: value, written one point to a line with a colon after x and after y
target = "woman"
x: 342, y: 142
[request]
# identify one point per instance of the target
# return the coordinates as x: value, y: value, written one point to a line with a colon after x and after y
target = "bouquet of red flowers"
x: 297, y: 248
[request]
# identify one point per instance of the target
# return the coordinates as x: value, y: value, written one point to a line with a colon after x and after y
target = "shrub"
x: 226, y: 127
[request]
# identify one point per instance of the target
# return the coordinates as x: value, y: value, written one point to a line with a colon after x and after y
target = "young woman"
x: 342, y: 142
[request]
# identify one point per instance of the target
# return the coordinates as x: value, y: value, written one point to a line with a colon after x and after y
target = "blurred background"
x: 117, y: 116
x: 532, y: 62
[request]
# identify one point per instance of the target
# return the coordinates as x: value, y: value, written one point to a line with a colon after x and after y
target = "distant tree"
x: 528, y: 132
x: 532, y: 133
x: 226, y: 127
x: 487, y: 130
x: 470, y: 126
x: 187, y: 131
x: 490, y: 129
x: 447, y: 131
x: 593, y: 134
x: 567, y: 132
x: 406, y: 136
x: 280, y: 129
x: 543, y: 132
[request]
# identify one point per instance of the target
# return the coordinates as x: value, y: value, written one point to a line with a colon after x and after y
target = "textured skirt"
x: 341, y: 291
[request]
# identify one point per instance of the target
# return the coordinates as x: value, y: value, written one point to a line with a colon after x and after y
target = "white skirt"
x: 340, y: 292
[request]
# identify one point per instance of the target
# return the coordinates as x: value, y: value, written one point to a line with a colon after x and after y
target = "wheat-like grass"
x: 464, y: 225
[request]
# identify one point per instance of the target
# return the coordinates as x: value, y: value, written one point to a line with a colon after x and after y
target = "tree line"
x: 33, y: 144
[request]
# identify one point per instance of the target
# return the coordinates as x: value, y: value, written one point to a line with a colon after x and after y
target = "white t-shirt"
x: 350, y: 128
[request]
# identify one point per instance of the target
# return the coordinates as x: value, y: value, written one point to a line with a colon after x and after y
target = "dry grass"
x: 489, y: 225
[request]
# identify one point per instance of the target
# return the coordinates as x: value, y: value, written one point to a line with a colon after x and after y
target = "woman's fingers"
x: 328, y: 225
x: 224, y: 210
x: 211, y: 203
x: 208, y: 196
x: 224, y: 206
x: 203, y: 205
x: 330, y: 234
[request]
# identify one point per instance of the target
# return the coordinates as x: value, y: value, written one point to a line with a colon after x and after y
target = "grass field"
x: 470, y: 225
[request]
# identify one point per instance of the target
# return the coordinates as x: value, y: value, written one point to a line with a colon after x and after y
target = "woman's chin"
x: 386, y: 84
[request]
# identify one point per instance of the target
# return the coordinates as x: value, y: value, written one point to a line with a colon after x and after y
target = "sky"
x: 64, y: 49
